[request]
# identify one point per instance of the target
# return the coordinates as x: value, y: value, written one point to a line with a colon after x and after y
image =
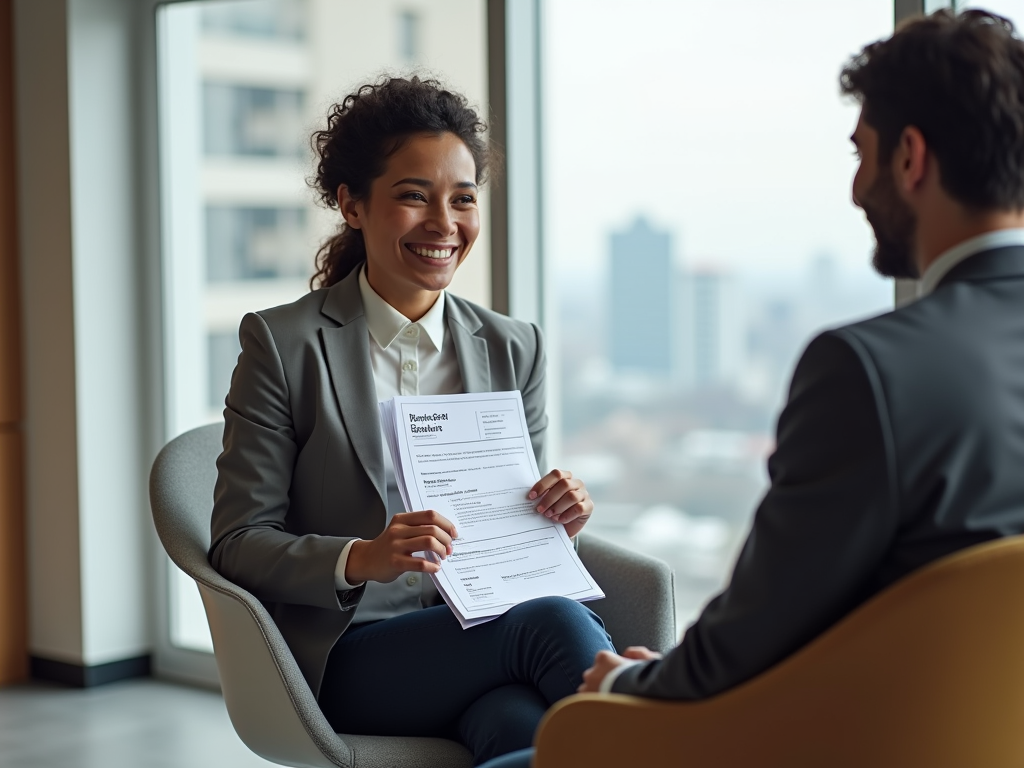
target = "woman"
x: 307, y: 515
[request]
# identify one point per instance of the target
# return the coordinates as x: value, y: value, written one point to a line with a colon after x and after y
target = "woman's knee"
x: 558, y: 611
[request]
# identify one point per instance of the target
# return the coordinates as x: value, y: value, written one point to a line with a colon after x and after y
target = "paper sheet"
x: 469, y: 457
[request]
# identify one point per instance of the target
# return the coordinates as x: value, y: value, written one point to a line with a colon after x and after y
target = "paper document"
x: 469, y: 457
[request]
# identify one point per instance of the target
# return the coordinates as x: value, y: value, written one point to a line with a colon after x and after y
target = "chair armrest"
x: 639, y: 607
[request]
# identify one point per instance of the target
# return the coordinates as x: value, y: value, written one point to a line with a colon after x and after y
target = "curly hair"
x: 362, y: 132
x: 959, y: 79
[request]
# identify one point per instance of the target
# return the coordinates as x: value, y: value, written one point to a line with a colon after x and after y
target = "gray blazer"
x: 902, y: 442
x: 302, y: 472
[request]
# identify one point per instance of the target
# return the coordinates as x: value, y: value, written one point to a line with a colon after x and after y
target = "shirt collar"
x: 386, y: 323
x: 939, y: 268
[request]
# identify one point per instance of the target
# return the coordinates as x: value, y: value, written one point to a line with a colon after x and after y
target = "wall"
x: 13, y: 616
x: 85, y: 460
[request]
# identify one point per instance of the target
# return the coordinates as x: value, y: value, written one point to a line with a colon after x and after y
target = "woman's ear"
x: 351, y: 209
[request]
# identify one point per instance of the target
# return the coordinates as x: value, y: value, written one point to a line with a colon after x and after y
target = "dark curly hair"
x: 362, y: 132
x: 959, y: 79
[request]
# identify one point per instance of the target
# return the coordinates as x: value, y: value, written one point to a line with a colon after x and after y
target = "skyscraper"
x: 708, y: 330
x: 642, y: 279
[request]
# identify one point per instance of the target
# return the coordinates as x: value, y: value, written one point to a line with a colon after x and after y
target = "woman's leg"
x: 522, y: 758
x: 419, y: 674
x: 501, y: 721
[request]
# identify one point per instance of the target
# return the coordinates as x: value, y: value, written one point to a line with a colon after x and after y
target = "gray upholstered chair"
x: 270, y: 706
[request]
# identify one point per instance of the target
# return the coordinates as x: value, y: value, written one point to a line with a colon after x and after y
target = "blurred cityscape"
x: 672, y: 378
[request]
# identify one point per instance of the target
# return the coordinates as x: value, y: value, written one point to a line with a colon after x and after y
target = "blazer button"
x: 411, y: 581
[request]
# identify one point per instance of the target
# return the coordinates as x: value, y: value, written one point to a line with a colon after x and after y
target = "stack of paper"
x: 469, y: 457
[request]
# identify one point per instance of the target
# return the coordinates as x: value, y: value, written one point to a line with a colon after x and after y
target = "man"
x: 903, y: 437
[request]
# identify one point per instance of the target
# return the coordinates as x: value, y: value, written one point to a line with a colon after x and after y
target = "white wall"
x: 86, y: 462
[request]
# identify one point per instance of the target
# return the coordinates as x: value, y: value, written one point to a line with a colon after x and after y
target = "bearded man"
x: 902, y: 440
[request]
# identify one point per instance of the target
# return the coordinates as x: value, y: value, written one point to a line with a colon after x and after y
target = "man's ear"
x: 910, y: 160
x: 351, y: 208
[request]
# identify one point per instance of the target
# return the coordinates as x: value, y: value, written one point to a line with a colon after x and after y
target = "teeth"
x: 431, y: 253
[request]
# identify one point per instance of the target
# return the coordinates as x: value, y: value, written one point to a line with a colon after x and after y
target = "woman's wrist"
x: 355, y: 570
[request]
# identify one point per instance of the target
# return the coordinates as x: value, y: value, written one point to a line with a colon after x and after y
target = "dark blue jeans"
x: 421, y: 674
x: 521, y: 758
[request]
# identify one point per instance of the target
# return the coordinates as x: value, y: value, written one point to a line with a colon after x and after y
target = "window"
x: 242, y: 85
x: 256, y: 18
x: 698, y: 232
x: 247, y: 120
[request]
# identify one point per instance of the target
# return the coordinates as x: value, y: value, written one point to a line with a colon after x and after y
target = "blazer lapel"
x: 347, y: 350
x: 474, y: 363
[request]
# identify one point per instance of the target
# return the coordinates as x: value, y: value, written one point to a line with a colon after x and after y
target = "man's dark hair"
x: 959, y: 79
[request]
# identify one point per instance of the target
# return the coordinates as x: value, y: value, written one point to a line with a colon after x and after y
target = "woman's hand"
x: 388, y: 556
x: 563, y: 498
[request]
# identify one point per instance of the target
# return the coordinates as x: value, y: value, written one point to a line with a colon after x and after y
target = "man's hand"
x: 606, y: 661
x: 563, y: 498
x: 639, y: 653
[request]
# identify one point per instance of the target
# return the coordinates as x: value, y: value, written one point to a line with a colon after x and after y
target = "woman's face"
x: 419, y: 220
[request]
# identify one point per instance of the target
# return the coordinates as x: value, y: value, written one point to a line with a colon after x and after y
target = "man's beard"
x: 894, y: 223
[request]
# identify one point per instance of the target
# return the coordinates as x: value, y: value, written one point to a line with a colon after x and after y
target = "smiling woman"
x: 308, y: 516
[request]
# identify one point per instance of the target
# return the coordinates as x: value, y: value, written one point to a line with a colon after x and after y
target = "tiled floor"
x: 133, y: 724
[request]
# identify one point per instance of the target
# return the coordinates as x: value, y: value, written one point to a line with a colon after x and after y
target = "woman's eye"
x: 414, y: 196
x: 465, y: 200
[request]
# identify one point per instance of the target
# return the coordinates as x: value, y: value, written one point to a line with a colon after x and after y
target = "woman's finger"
x: 545, y: 483
x: 424, y: 544
x: 416, y: 531
x: 426, y: 517
x: 567, y: 502
x: 557, y: 491
x: 575, y: 512
x: 406, y: 563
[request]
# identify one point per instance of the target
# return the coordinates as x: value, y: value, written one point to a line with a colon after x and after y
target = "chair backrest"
x: 270, y: 705
x: 929, y: 672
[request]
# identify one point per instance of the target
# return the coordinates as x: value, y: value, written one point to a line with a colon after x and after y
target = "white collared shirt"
x: 941, y: 267
x: 407, y: 358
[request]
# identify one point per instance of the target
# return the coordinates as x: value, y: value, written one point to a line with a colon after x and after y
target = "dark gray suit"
x: 902, y: 441
x: 302, y: 471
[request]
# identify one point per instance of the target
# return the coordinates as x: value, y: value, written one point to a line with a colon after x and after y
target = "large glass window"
x: 698, y: 232
x: 243, y: 83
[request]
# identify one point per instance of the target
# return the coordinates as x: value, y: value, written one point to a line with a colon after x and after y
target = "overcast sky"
x: 720, y: 121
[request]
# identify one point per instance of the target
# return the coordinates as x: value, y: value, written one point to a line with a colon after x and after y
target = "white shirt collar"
x: 939, y: 268
x: 386, y: 323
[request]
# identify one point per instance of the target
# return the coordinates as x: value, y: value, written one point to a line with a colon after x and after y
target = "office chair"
x: 928, y: 673
x: 270, y: 705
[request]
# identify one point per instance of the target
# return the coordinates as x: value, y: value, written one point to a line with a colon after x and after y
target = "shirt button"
x: 412, y: 331
x: 409, y: 365
x: 411, y: 581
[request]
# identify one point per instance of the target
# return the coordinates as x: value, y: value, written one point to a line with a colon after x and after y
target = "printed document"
x: 469, y: 457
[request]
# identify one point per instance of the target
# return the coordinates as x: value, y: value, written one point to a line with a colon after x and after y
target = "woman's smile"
x: 441, y: 254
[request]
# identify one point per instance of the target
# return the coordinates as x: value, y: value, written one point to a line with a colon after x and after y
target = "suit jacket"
x: 302, y: 472
x: 902, y: 441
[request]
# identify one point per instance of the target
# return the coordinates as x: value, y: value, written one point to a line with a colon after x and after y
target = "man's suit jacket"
x: 302, y: 471
x: 902, y: 441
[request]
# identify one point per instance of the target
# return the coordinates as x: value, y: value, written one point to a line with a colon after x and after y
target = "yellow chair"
x: 927, y: 674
